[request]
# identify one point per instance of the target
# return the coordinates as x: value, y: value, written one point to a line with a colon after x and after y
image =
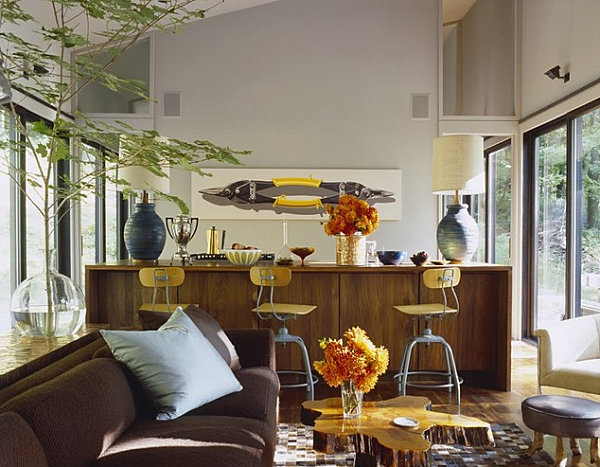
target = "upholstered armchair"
x: 569, y: 354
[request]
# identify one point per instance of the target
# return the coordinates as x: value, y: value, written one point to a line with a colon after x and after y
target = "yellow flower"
x: 359, y: 360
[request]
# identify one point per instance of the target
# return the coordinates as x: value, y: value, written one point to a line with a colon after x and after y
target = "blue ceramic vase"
x: 457, y: 234
x: 145, y: 233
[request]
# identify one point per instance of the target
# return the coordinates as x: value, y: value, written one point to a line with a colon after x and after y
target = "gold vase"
x: 351, y: 250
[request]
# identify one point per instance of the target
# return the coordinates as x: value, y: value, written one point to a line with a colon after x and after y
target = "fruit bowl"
x: 391, y: 256
x: 242, y: 257
x: 419, y: 258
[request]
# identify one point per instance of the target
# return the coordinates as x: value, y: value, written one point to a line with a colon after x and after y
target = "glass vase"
x: 351, y: 400
x: 350, y: 250
x: 48, y: 303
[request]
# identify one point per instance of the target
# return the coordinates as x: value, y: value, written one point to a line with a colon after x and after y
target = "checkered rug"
x: 294, y: 447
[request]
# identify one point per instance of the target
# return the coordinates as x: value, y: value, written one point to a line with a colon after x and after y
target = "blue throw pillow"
x: 176, y: 365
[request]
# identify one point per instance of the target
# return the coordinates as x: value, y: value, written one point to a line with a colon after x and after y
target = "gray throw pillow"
x: 176, y: 365
x: 207, y: 325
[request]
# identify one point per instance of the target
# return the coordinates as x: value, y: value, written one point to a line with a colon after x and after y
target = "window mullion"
x: 574, y: 213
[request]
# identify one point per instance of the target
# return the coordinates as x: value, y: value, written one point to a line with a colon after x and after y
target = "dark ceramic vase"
x: 457, y: 234
x: 144, y: 233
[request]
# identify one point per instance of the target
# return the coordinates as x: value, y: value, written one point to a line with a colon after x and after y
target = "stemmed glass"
x: 302, y: 252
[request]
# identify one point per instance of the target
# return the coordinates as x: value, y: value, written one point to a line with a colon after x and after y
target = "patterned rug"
x: 294, y: 447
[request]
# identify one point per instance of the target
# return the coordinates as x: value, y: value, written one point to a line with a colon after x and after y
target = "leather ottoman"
x: 563, y: 417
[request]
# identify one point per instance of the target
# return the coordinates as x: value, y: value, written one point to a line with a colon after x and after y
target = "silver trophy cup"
x: 181, y: 229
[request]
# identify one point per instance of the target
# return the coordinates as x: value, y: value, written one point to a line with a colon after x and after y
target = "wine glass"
x: 302, y: 252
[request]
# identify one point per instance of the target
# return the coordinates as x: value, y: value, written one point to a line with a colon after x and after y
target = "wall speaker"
x: 172, y: 104
x: 419, y: 106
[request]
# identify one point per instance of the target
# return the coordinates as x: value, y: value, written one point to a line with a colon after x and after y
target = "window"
x: 562, y: 240
x: 22, y: 232
x: 492, y: 209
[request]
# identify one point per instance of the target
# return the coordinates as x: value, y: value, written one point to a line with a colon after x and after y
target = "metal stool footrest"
x: 432, y: 385
x: 315, y: 380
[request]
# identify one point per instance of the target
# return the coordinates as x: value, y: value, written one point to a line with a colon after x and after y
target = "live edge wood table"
x: 378, y: 442
x: 345, y: 296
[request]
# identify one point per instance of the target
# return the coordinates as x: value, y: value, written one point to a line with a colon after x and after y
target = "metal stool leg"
x: 411, y: 344
x: 449, y: 368
x: 283, y: 337
x: 401, y: 370
x: 454, y: 372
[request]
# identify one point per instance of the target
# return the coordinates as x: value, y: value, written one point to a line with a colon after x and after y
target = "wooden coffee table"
x: 378, y: 441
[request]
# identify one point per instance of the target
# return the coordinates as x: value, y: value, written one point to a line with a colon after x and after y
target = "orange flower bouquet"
x: 355, y: 366
x: 350, y: 216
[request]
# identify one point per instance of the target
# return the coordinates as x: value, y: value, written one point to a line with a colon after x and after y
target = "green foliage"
x: 124, y: 22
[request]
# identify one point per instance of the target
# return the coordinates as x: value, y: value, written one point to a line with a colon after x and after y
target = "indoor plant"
x: 355, y: 366
x: 350, y: 221
x: 40, y: 66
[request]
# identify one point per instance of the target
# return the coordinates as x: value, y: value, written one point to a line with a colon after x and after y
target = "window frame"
x: 574, y: 193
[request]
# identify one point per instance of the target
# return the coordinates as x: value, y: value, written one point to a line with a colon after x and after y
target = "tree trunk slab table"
x: 377, y: 441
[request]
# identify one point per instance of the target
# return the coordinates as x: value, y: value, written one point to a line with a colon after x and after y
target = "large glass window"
x: 551, y: 194
x: 588, y: 129
x: 499, y: 163
x: 562, y: 233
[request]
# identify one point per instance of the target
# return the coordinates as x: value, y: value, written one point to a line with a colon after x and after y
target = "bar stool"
x: 162, y: 278
x: 438, y: 278
x: 273, y: 276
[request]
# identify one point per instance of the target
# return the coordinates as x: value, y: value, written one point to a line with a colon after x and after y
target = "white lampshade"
x: 140, y: 178
x: 458, y: 165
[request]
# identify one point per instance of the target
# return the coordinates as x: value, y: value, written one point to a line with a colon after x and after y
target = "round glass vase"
x: 352, y: 398
x: 48, y: 303
x: 351, y: 250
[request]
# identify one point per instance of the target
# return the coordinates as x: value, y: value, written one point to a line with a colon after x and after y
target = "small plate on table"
x: 405, y: 422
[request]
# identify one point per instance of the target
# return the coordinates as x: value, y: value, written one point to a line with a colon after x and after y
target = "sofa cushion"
x: 19, y: 447
x: 190, y: 440
x: 208, y: 326
x: 80, y: 413
x: 176, y: 365
x: 257, y: 399
x: 579, y: 376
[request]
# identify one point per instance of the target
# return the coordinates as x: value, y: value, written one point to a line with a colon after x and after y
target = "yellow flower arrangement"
x: 350, y: 216
x: 358, y: 361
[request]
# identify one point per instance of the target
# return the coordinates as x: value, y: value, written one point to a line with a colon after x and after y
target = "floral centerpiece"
x: 350, y: 221
x: 351, y: 216
x: 355, y: 366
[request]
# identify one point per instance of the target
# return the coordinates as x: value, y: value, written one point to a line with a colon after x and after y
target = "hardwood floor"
x: 490, y: 405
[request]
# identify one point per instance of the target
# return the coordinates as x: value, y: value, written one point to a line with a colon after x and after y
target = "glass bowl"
x: 390, y: 257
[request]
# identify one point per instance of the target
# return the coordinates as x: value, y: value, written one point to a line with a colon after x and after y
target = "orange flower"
x: 359, y: 360
x: 350, y: 216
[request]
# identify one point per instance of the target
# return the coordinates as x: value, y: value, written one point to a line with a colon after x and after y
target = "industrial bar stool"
x: 438, y: 278
x: 162, y: 278
x: 267, y: 276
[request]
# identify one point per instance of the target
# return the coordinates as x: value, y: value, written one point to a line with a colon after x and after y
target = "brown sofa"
x: 95, y: 414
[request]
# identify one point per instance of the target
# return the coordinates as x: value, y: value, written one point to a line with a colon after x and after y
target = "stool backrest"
x: 161, y: 277
x: 270, y: 276
x: 443, y: 278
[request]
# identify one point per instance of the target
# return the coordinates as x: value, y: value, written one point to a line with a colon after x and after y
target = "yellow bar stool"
x: 443, y: 279
x: 266, y: 309
x: 162, y: 278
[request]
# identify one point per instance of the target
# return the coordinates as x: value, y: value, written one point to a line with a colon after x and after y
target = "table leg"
x: 561, y: 458
x: 594, y: 457
x: 536, y: 445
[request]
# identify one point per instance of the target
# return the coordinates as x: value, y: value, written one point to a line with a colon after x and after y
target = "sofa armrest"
x: 564, y: 342
x: 255, y: 347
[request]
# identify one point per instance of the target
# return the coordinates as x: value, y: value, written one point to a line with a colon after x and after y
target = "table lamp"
x: 145, y: 232
x: 458, y: 168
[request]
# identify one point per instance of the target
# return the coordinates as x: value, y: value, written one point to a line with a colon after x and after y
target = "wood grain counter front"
x: 345, y: 296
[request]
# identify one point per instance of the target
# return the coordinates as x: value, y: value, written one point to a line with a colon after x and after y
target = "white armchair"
x: 569, y: 354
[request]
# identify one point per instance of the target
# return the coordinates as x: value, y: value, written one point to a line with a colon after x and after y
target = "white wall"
x: 556, y: 32
x: 317, y: 83
x: 487, y: 46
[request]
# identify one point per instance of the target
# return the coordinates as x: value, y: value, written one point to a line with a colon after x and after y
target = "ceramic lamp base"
x: 458, y: 234
x: 144, y: 233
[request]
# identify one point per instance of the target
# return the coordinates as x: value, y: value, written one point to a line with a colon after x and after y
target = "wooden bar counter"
x: 345, y: 296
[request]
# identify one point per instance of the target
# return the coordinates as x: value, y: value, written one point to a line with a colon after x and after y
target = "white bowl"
x: 242, y: 257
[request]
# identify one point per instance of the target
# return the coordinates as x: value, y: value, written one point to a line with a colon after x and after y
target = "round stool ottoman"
x: 563, y: 417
